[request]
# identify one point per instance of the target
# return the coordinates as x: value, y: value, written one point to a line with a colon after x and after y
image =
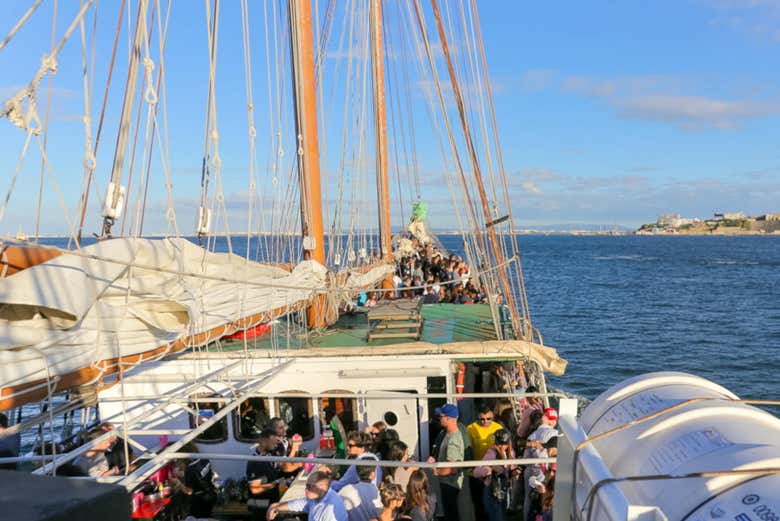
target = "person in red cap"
x: 549, y: 422
x: 534, y: 446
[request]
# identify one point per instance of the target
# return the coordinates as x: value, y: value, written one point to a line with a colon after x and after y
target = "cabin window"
x: 345, y: 409
x: 203, y: 411
x: 252, y: 417
x: 297, y: 414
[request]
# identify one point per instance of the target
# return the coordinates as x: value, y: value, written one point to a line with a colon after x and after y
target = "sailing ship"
x: 138, y: 331
x: 181, y: 339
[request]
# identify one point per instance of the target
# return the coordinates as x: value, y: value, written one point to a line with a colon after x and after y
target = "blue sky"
x: 609, y: 112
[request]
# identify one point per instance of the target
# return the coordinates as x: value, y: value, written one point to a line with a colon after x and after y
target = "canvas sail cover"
x: 129, y: 296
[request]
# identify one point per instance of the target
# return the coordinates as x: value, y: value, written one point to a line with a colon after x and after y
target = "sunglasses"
x: 350, y: 445
x: 312, y: 487
x: 485, y: 418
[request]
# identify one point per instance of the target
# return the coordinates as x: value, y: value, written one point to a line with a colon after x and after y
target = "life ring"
x: 460, y: 379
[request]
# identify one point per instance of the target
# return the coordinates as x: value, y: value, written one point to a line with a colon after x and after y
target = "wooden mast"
x: 304, y: 92
x: 380, y: 133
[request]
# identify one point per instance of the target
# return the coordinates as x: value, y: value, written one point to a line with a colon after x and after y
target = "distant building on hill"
x: 769, y: 217
x: 673, y: 220
x: 734, y: 216
x: 666, y: 219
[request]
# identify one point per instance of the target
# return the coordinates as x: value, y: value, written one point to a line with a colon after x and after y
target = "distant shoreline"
x: 519, y: 232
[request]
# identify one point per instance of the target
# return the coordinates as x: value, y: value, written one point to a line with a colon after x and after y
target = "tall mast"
x: 115, y: 194
x: 380, y: 130
x: 304, y: 93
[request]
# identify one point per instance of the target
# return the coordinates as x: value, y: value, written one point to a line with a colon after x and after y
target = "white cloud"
x: 693, y: 112
x: 759, y: 19
x: 634, y: 199
x: 660, y: 98
x: 531, y: 187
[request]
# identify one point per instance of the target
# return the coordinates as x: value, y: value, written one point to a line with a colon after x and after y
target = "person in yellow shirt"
x: 480, y: 434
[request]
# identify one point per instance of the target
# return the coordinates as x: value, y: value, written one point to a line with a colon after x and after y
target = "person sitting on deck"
x: 286, y: 446
x: 320, y: 502
x: 94, y: 462
x: 357, y: 448
x: 263, y: 476
x: 199, y: 481
x: 116, y: 455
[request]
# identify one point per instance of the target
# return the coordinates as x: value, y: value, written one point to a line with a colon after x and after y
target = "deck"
x: 440, y: 323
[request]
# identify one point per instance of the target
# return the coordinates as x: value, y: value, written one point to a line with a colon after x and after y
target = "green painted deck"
x: 442, y: 323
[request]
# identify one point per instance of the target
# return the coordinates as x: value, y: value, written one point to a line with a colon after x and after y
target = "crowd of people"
x: 425, y: 271
x: 492, y: 490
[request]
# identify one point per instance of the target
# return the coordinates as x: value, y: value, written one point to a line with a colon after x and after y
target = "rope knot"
x: 49, y: 63
x: 89, y: 160
x: 150, y: 95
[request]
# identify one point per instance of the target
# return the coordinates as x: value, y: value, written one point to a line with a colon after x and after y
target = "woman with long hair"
x: 420, y: 504
x: 397, y: 451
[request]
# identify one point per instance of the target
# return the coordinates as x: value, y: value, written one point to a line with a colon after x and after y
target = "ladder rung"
x: 398, y: 325
x: 406, y: 334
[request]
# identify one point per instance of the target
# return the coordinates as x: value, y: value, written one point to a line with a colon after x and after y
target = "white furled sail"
x: 130, y: 296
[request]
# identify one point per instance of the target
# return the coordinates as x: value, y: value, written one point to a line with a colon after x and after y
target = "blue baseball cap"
x: 447, y: 410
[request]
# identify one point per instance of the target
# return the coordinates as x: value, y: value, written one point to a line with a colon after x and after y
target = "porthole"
x: 391, y: 418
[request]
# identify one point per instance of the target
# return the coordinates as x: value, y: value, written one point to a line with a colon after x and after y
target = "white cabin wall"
x: 310, y: 375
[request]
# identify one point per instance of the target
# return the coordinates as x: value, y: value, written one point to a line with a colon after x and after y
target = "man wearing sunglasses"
x: 320, y: 502
x: 357, y: 448
x: 452, y: 448
x: 481, y: 437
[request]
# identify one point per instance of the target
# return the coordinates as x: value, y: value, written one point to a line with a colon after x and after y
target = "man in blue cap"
x: 452, y: 448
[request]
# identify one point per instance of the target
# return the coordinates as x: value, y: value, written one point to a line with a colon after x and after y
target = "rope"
x: 21, y: 22
x: 162, y: 137
x: 212, y: 21
x: 16, y: 174
x: 92, y: 166
x: 12, y: 108
x: 46, y: 121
